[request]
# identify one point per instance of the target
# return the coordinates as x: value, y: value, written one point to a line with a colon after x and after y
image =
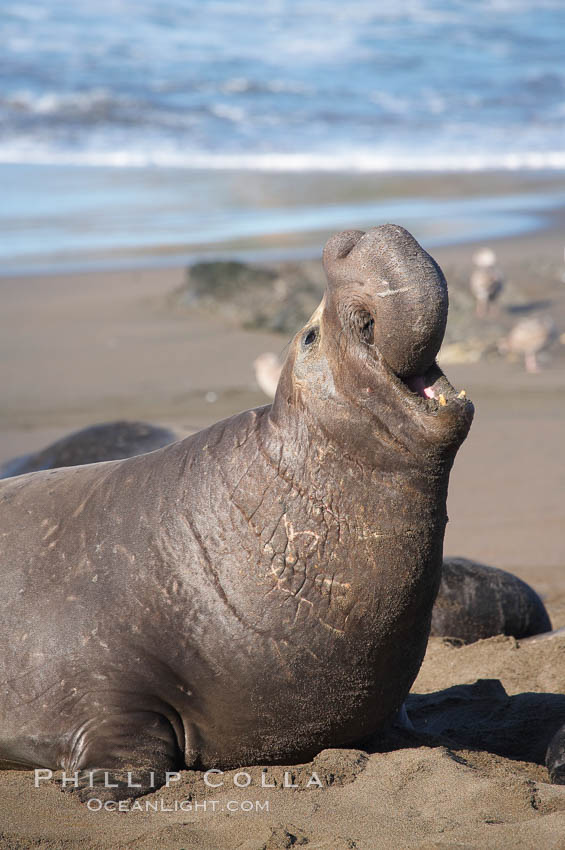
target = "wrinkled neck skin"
x: 365, y: 481
x: 352, y: 426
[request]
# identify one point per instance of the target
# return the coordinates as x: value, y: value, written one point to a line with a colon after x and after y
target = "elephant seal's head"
x: 363, y: 368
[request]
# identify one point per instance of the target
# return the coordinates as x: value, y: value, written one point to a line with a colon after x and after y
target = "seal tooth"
x: 462, y: 394
x: 442, y: 400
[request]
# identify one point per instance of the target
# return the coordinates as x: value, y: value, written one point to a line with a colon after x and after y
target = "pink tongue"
x: 417, y: 385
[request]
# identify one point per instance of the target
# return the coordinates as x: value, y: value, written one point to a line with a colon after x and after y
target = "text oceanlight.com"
x: 195, y: 806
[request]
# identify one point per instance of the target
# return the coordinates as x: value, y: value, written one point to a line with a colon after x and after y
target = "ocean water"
x: 57, y: 218
x: 279, y: 86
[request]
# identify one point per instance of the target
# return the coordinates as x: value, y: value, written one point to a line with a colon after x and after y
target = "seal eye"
x: 310, y: 337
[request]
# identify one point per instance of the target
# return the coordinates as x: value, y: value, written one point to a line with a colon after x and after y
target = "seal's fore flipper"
x: 133, y: 752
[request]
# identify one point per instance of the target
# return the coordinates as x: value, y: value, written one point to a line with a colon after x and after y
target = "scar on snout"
x: 389, y: 291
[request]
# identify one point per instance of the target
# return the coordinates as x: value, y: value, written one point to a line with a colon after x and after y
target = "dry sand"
x: 92, y: 347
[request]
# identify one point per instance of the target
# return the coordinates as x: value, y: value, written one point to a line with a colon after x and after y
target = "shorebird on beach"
x: 528, y: 339
x: 267, y: 372
x: 486, y: 280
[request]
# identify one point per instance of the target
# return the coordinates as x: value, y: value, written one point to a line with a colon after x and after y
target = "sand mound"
x: 470, y: 775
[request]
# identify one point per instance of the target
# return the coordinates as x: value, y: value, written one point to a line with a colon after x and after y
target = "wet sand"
x: 92, y: 347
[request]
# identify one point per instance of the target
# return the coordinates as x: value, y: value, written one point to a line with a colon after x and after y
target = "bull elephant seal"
x: 107, y: 441
x: 262, y: 589
x: 475, y: 601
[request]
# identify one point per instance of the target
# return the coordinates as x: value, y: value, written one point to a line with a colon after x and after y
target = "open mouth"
x: 432, y: 389
x: 426, y: 393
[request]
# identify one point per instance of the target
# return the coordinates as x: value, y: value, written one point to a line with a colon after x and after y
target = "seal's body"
x: 105, y: 441
x: 131, y: 594
x: 475, y: 601
x: 256, y: 592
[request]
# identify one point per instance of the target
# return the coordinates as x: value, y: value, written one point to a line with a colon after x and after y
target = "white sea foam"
x: 229, y: 113
x: 300, y: 85
x: 304, y: 85
x: 350, y: 161
x: 58, y: 103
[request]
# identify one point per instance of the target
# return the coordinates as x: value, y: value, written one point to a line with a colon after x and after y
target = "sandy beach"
x: 96, y: 346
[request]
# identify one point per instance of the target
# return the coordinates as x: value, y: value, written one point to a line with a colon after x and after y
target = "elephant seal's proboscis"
x: 262, y: 589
